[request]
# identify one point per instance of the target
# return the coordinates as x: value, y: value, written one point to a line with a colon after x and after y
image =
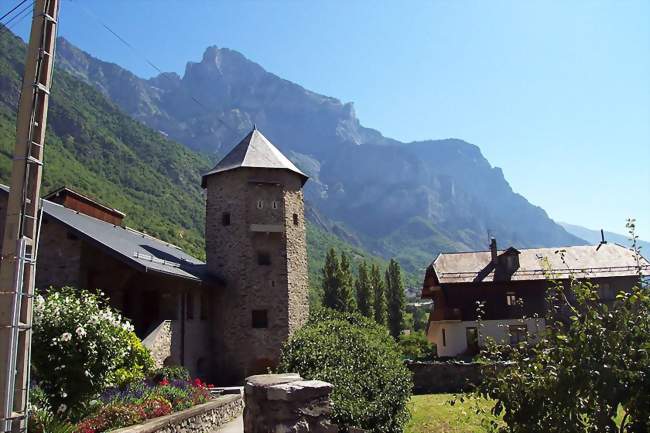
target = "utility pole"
x: 20, y: 241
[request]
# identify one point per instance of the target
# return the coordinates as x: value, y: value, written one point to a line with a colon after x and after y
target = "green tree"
x: 330, y: 275
x: 379, y: 307
x: 395, y: 298
x: 372, y: 386
x: 346, y: 301
x: 365, y: 293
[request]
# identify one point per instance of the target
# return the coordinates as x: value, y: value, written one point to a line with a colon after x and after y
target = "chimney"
x: 493, y: 250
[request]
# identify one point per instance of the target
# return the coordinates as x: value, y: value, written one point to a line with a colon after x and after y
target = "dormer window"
x: 260, y: 204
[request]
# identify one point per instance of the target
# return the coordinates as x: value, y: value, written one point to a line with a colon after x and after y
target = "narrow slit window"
x: 260, y: 319
x: 260, y: 204
x: 274, y: 205
x: 225, y: 218
x: 204, y: 306
x: 295, y: 219
x: 263, y: 258
x: 444, y: 337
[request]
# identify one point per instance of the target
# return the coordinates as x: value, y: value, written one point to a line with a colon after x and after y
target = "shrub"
x: 171, y: 373
x: 79, y: 345
x: 371, y: 384
x: 416, y: 347
x: 136, y: 365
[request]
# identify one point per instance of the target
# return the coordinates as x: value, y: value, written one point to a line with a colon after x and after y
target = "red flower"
x: 164, y: 382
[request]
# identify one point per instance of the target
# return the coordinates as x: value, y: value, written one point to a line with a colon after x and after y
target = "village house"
x: 224, y: 319
x: 512, y: 286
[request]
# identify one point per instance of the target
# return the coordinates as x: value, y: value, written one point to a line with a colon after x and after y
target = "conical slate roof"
x: 254, y: 151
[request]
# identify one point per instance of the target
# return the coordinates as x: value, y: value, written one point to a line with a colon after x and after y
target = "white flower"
x: 81, y: 332
x: 66, y: 336
x: 127, y: 326
x: 62, y: 408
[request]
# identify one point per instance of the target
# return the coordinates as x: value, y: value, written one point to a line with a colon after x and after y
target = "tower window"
x: 260, y: 319
x: 295, y: 219
x: 274, y: 205
x: 260, y: 204
x: 263, y: 258
x: 225, y: 218
x: 444, y: 337
x: 272, y: 283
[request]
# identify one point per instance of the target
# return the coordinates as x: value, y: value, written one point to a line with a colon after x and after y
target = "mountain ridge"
x: 407, y: 200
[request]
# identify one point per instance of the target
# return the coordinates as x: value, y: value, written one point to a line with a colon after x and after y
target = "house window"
x: 274, y: 205
x: 295, y: 219
x: 260, y: 204
x: 189, y: 306
x: 272, y: 283
x: 263, y: 258
x: 444, y: 337
x: 607, y: 292
x: 260, y: 319
x: 225, y: 218
x: 204, y: 305
x: 511, y: 299
x: 518, y: 334
x: 472, y: 339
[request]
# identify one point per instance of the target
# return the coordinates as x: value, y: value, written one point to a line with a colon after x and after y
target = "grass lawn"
x: 432, y: 414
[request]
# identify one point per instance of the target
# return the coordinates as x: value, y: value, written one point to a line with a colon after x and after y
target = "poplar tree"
x: 330, y: 275
x: 395, y: 297
x: 365, y: 293
x: 346, y: 298
x: 379, y: 307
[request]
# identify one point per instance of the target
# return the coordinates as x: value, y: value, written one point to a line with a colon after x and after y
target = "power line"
x: 149, y: 62
x: 26, y: 11
x: 13, y: 9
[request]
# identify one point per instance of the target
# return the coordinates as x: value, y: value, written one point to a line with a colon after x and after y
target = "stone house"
x: 512, y: 286
x: 224, y: 319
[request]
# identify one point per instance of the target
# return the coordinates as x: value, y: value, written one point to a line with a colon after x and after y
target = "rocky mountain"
x: 407, y: 200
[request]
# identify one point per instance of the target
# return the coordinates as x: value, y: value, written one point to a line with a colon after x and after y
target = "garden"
x: 91, y: 373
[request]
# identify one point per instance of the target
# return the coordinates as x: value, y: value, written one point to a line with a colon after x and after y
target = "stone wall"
x: 159, y: 343
x: 204, y: 418
x: 440, y: 377
x: 284, y: 403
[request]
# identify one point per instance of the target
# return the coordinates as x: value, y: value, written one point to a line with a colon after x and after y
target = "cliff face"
x: 408, y: 200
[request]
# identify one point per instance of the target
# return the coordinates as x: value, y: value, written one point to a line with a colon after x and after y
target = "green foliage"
x: 44, y: 421
x: 371, y: 384
x: 416, y: 347
x: 395, y: 298
x: 137, y: 364
x: 79, y: 346
x: 365, y: 293
x: 347, y: 299
x: 593, y: 359
x: 380, y: 307
x: 171, y: 373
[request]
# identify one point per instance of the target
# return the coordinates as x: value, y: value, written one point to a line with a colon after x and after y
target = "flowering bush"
x: 144, y: 400
x: 81, y: 346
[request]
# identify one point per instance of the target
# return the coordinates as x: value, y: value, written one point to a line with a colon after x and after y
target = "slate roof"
x: 254, y: 151
x: 587, y: 261
x: 136, y: 249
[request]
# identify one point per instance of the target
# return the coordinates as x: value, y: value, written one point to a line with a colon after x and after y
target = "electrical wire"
x: 13, y: 9
x: 146, y: 60
x: 26, y: 11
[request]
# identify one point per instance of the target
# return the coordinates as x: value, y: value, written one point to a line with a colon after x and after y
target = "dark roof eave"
x: 204, y: 178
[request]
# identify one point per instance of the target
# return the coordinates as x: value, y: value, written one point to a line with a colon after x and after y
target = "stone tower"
x: 256, y: 242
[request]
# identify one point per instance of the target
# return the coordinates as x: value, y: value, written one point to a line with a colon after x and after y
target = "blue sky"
x: 557, y: 94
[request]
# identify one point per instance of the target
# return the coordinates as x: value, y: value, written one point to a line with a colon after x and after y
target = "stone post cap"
x: 300, y: 390
x: 266, y: 380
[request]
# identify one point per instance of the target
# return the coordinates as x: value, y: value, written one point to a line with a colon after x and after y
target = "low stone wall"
x: 439, y: 377
x: 204, y: 418
x: 284, y: 403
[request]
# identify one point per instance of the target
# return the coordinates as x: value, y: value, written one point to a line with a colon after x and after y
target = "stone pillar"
x: 285, y: 403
